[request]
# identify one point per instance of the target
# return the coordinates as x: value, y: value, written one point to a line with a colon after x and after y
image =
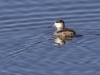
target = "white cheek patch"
x: 58, y: 25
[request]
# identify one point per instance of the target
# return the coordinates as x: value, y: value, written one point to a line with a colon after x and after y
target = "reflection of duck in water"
x: 60, y: 41
x: 62, y: 31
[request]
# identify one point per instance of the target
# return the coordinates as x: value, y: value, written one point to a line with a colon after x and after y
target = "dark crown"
x: 60, y: 21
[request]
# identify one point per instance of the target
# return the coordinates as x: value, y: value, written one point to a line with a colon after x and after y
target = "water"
x: 25, y: 48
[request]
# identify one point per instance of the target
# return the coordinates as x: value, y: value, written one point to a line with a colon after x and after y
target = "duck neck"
x: 60, y: 29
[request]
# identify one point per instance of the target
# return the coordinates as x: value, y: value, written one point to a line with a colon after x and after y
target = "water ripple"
x: 24, y: 35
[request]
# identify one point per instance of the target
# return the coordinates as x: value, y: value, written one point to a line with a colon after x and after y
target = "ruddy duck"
x: 62, y: 31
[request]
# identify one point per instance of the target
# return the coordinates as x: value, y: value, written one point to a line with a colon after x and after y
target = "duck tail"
x: 78, y: 35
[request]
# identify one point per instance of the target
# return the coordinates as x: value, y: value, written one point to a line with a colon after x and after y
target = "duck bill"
x: 51, y: 26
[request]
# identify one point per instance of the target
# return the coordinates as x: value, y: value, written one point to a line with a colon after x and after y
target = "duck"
x: 62, y: 31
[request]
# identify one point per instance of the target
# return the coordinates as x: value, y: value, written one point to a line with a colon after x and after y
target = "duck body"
x: 65, y: 33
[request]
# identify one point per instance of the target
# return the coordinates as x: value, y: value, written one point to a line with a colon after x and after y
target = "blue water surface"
x: 25, y: 45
